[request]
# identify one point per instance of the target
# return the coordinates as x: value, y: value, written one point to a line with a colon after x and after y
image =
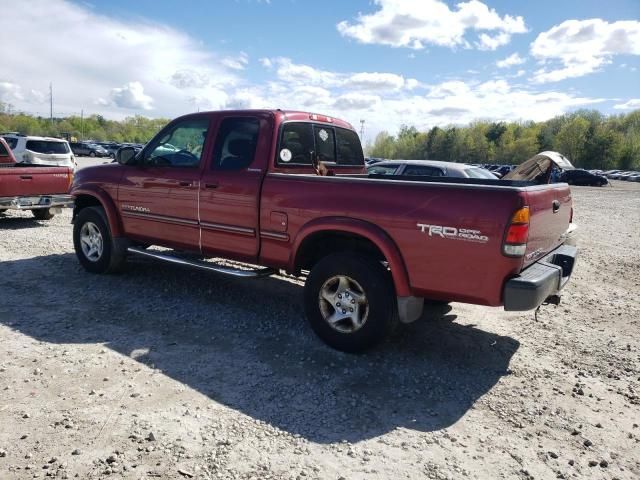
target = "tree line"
x: 587, y: 137
x: 136, y: 129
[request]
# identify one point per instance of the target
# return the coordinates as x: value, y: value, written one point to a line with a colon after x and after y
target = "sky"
x: 387, y: 62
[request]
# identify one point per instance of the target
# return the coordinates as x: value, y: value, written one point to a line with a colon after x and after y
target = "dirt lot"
x: 162, y: 372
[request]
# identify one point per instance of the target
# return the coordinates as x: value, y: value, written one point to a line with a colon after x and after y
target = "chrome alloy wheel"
x: 91, y: 241
x: 343, y: 304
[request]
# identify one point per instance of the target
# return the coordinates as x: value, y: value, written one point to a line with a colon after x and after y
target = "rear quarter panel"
x: 438, y: 267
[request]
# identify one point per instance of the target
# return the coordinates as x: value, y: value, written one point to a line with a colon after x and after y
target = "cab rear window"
x: 47, y: 147
x: 300, y: 142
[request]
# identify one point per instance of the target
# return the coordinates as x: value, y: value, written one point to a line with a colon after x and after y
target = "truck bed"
x: 468, y: 266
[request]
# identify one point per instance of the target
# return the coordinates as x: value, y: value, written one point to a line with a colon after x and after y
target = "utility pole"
x: 51, y: 102
x: 82, y: 124
x: 362, y: 131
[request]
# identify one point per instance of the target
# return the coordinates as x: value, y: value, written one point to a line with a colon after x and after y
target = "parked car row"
x: 100, y: 149
x: 627, y: 175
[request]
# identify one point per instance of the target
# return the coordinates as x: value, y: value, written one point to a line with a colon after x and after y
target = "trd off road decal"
x: 453, y: 233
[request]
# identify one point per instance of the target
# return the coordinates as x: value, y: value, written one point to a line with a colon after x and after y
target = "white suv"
x: 40, y: 150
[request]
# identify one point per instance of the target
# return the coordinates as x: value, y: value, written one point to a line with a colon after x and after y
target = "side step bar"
x: 235, y: 272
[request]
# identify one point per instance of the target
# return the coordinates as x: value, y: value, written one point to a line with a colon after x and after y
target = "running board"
x: 235, y: 272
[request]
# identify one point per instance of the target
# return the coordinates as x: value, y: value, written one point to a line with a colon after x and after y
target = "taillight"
x: 70, y: 178
x: 515, y: 241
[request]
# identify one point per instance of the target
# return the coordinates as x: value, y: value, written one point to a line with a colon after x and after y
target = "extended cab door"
x: 158, y: 196
x: 230, y: 186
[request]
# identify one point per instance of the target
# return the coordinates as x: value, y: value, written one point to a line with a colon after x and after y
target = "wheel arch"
x: 329, y: 235
x: 98, y: 198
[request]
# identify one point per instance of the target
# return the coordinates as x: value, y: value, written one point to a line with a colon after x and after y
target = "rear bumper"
x: 36, y: 201
x: 541, y: 280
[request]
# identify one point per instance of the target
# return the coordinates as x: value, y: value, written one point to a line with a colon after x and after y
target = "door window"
x: 236, y: 143
x: 180, y: 146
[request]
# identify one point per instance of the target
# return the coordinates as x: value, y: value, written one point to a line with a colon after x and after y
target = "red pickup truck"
x: 41, y: 189
x: 288, y: 191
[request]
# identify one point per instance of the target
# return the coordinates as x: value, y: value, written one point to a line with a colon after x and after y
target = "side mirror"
x: 125, y: 154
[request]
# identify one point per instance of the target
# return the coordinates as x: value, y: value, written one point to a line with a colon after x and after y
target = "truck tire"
x: 350, y: 301
x: 42, y: 214
x: 93, y: 243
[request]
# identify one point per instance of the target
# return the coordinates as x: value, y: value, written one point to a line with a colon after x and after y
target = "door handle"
x: 556, y: 206
x: 185, y: 184
x: 210, y: 186
x: 26, y: 177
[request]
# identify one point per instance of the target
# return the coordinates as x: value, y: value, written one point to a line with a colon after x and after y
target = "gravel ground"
x: 163, y: 372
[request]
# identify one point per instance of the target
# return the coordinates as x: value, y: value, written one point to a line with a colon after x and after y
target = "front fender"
x: 363, y: 229
x: 107, y: 203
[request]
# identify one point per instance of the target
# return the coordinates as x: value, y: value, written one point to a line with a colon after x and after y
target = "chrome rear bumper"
x: 36, y: 201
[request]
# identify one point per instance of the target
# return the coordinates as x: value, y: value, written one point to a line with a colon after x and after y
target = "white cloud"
x: 510, y: 61
x: 375, y: 81
x: 125, y: 68
x: 86, y: 56
x: 629, y: 105
x: 414, y: 24
x: 356, y: 101
x: 578, y: 47
x: 131, y: 96
x: 236, y: 63
x: 10, y: 92
x: 288, y: 71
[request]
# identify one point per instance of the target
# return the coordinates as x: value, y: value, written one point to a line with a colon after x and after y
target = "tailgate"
x: 550, y: 209
x: 18, y: 181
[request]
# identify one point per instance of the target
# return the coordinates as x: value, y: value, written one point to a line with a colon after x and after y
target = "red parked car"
x: 41, y: 189
x: 288, y: 191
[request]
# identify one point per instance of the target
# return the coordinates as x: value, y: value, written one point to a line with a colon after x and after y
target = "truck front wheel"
x: 350, y: 301
x: 94, y: 244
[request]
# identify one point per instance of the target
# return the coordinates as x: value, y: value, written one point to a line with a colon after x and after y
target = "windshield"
x: 47, y: 146
x: 12, y: 142
x: 479, y: 173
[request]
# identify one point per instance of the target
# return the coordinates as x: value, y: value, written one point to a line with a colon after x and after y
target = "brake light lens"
x: 515, y: 241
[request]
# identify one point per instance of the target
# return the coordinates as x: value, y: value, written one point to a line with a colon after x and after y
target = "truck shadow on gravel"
x: 246, y: 344
x: 18, y: 223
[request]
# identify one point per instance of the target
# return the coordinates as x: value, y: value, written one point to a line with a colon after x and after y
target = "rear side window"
x: 12, y: 142
x: 236, y: 143
x: 3, y: 150
x: 422, y: 170
x: 47, y: 147
x: 382, y: 169
x: 334, y: 145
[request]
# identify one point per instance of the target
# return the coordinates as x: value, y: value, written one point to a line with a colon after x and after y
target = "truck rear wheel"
x: 42, y: 213
x: 93, y: 243
x: 350, y: 301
